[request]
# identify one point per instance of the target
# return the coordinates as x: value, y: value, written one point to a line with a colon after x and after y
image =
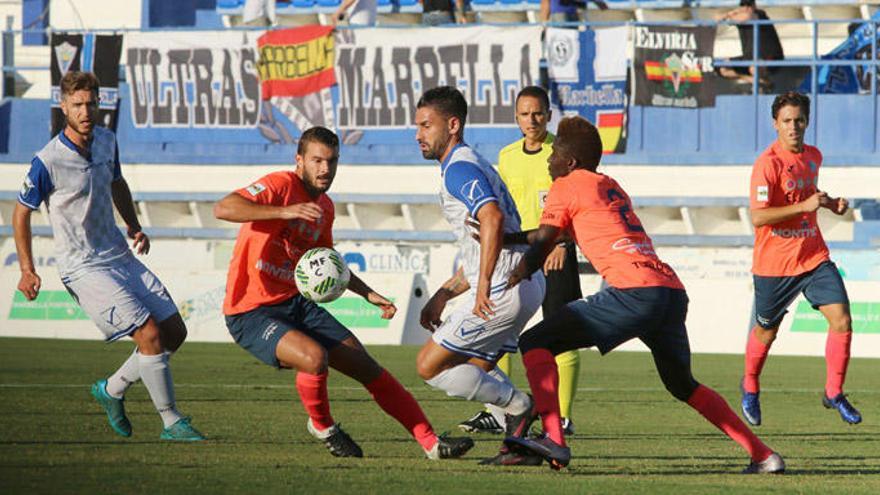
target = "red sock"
x: 313, y: 394
x: 400, y: 405
x: 708, y: 403
x: 836, y: 361
x: 756, y: 354
x: 544, y: 382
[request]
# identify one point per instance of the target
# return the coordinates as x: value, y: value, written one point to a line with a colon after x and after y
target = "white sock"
x: 127, y: 375
x: 472, y: 383
x: 157, y: 378
x: 495, y: 411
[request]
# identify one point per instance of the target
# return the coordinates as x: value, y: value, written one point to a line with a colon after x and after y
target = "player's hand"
x: 310, y: 212
x: 429, y: 318
x: 388, y: 308
x: 555, y: 260
x: 483, y: 304
x: 837, y: 205
x: 29, y: 285
x: 517, y: 276
x: 474, y: 226
x: 141, y: 244
x: 813, y: 203
x: 337, y: 17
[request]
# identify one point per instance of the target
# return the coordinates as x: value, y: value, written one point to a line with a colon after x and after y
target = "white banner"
x: 193, y: 79
x: 381, y: 73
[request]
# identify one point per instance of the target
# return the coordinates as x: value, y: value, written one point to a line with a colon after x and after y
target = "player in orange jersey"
x: 284, y: 214
x: 644, y: 299
x: 790, y: 255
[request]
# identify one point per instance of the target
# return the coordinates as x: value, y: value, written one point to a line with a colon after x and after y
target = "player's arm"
x: 543, y: 241
x: 359, y: 287
x: 455, y: 286
x: 544, y: 12
x: 236, y: 208
x: 29, y: 283
x: 774, y: 214
x: 124, y: 204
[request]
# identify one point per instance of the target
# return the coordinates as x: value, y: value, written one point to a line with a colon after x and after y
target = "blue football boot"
x: 847, y: 412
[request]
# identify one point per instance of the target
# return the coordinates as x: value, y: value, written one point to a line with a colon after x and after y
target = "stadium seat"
x: 303, y: 4
x: 331, y: 3
x: 229, y: 4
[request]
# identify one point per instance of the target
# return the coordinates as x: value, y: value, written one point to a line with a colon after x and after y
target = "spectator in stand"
x: 439, y: 12
x: 358, y: 12
x: 567, y: 10
x: 259, y: 13
x: 769, y: 47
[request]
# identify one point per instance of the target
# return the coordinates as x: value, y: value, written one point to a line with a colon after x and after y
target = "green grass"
x: 632, y: 437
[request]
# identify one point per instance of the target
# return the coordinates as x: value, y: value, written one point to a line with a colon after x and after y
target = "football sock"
x: 836, y: 361
x: 472, y: 383
x: 568, y: 365
x: 756, y: 355
x: 313, y: 394
x: 127, y: 375
x: 544, y: 380
x: 709, y: 404
x: 156, y: 375
x: 504, y: 366
x: 400, y: 405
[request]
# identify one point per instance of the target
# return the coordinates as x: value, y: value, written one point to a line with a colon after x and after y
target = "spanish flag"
x: 296, y: 62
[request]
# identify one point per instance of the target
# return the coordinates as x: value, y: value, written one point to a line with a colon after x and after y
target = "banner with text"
x: 88, y: 53
x: 673, y: 66
x: 193, y: 80
x: 382, y: 72
x: 587, y: 71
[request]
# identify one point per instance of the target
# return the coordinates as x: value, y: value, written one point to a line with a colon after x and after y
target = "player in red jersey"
x: 284, y: 214
x: 644, y: 299
x: 790, y: 255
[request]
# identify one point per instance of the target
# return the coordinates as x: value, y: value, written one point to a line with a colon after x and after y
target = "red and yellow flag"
x: 296, y: 62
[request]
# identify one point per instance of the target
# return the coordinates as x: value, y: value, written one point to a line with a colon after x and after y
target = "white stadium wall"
x: 718, y: 281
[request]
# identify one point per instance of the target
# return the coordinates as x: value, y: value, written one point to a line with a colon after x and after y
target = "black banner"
x: 673, y: 66
x: 98, y: 54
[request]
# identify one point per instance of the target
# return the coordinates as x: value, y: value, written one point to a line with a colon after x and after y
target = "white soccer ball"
x: 322, y: 275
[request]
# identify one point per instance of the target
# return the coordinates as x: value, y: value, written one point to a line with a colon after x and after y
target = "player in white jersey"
x: 460, y: 358
x: 77, y: 175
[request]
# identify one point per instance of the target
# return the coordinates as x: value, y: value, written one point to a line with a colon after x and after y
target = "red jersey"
x: 266, y: 251
x: 599, y: 213
x: 781, y: 178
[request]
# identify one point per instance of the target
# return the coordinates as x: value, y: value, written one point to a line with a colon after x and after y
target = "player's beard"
x: 435, y: 151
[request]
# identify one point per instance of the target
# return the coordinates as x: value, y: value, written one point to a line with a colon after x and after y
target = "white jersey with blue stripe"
x: 469, y: 182
x: 75, y: 184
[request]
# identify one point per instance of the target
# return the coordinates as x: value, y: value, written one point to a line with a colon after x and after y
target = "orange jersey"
x: 781, y: 178
x: 610, y: 235
x: 266, y: 251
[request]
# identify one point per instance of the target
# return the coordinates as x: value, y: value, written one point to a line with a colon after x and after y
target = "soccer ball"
x: 322, y: 275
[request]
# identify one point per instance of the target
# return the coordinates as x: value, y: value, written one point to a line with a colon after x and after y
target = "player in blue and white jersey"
x: 460, y: 358
x: 77, y: 175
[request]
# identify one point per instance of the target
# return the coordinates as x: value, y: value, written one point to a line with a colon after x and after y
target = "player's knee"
x: 148, y: 339
x: 682, y: 389
x: 426, y: 371
x: 313, y: 361
x: 173, y: 332
x: 841, y: 324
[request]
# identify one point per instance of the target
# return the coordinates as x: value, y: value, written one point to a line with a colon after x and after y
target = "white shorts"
x: 120, y: 298
x: 465, y: 333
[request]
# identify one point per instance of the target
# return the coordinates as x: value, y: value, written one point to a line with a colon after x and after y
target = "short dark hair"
x: 747, y: 3
x: 317, y: 134
x: 76, y: 80
x: 447, y: 100
x: 579, y: 139
x: 792, y: 98
x: 535, y: 92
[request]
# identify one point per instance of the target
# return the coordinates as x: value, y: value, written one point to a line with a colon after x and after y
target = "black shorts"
x: 773, y: 295
x: 259, y: 330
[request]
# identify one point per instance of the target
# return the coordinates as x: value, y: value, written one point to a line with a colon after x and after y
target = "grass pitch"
x: 632, y: 437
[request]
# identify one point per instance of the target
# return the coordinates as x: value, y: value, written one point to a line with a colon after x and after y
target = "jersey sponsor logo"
x: 631, y: 247
x: 472, y: 191
x: 762, y: 193
x: 805, y: 231
x: 542, y: 198
x: 281, y: 272
x: 255, y: 188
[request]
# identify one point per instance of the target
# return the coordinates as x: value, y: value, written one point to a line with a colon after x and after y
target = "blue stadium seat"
x: 407, y: 3
x: 483, y: 2
x: 229, y: 4
x: 303, y: 4
x: 329, y: 3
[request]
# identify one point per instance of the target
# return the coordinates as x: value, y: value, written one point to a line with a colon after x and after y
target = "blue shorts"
x: 259, y: 330
x: 612, y: 316
x: 821, y: 286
